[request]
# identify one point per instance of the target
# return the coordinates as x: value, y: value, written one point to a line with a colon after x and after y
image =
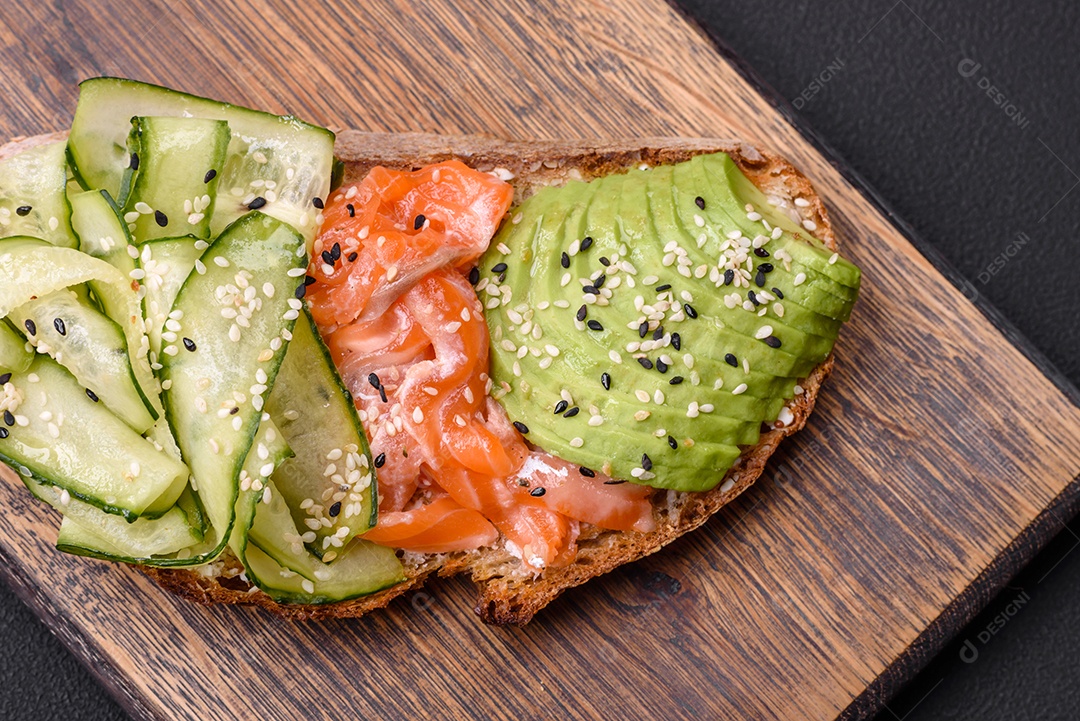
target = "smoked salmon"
x: 406, y: 330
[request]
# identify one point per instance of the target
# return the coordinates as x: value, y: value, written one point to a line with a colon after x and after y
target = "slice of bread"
x: 508, y: 595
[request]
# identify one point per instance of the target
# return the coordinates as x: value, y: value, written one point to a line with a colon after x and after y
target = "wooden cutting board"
x: 939, y: 460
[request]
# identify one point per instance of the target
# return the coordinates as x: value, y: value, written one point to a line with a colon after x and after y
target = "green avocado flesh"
x: 675, y: 308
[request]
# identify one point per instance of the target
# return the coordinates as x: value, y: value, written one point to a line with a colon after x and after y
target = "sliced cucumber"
x: 142, y: 538
x: 100, y: 230
x: 30, y: 268
x: 166, y: 263
x: 49, y: 422
x: 330, y: 483
x: 92, y: 347
x: 234, y: 328
x: 33, y: 200
x: 284, y: 161
x: 174, y: 188
x: 15, y: 353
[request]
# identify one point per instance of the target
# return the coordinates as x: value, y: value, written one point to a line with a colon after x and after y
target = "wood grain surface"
x: 937, y: 456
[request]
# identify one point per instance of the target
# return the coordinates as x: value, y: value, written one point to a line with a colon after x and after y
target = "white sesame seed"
x: 658, y: 397
x: 739, y: 389
x: 809, y: 225
x: 833, y: 258
x: 763, y: 332
x: 800, y: 278
x: 615, y: 356
x: 692, y: 410
x: 417, y: 415
x: 596, y: 421
x: 699, y: 221
x: 576, y: 442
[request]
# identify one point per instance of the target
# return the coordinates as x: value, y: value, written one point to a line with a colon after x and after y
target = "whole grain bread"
x: 507, y: 594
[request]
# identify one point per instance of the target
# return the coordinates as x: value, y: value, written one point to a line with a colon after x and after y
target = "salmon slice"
x: 394, y: 228
x: 440, y: 526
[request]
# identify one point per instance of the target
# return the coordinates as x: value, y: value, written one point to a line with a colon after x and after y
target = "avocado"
x: 622, y: 349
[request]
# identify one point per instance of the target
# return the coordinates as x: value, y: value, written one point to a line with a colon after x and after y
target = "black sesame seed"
x: 9, y: 418
x: 501, y: 277
x: 31, y: 328
x: 673, y: 443
x: 586, y: 242
x: 133, y: 163
x: 352, y: 210
x: 572, y: 412
x: 161, y: 219
x: 645, y: 363
x: 521, y: 427
x: 335, y: 509
x: 772, y: 341
x: 676, y: 380
x: 564, y: 260
x: 604, y: 261
x: 729, y: 276
x: 418, y: 223
x: 582, y: 312
x: 190, y: 344
x: 731, y: 360
x: 210, y: 175
x: 317, y: 202
x: 499, y: 268
x: 600, y: 280
x: 382, y: 394
x: 761, y: 252
x: 700, y: 202
x: 587, y: 472
x: 676, y: 341
x: 646, y: 462
x: 613, y: 483
x: 661, y: 366
x: 23, y: 210
x: 778, y: 293
x: 560, y: 407
x: 474, y: 275
x: 352, y: 257
x: 4, y: 379
x: 257, y: 203
x: 58, y: 323
x: 308, y: 279
x: 759, y: 278
x: 753, y: 297
x: 690, y: 310
x: 537, y: 492
x: 373, y: 379
x: 327, y: 257
x: 234, y: 411
x: 658, y: 333
x: 91, y: 395
x: 335, y: 252
x: 3, y: 433
x: 380, y: 460
x: 591, y: 290
x: 766, y: 267
x: 595, y: 325
x: 662, y: 288
x: 643, y: 329
x: 301, y: 290
x: 605, y: 380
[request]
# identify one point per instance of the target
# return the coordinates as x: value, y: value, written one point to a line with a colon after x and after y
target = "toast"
x: 507, y: 594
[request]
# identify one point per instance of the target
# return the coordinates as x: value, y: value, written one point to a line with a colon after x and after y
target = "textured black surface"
x: 986, y: 189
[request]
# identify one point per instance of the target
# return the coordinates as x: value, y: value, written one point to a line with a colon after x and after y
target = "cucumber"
x: 33, y: 201
x: 216, y: 376
x: 91, y: 346
x: 30, y: 268
x: 100, y: 230
x: 276, y: 561
x: 165, y: 264
x: 178, y: 167
x: 332, y: 468
x: 281, y: 160
x: 142, y: 538
x: 15, y: 354
x: 49, y: 422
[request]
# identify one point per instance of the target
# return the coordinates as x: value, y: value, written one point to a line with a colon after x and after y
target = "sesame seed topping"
x: 605, y: 380
x: 31, y: 328
x: 739, y: 389
x: 673, y: 443
x: 700, y: 202
x: 256, y: 203
x: 572, y: 412
x: 576, y: 442
x: 731, y: 360
x: 58, y: 324
x: 521, y: 427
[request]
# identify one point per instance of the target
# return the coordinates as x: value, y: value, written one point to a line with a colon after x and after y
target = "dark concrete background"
x: 900, y: 90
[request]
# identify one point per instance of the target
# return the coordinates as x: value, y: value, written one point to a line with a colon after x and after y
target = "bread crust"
x: 506, y: 595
